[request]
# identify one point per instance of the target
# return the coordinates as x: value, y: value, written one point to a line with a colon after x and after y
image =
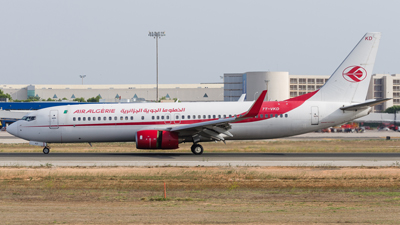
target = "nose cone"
x: 13, y: 129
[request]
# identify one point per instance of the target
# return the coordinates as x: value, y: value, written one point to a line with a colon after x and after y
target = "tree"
x: 79, y: 100
x: 393, y: 109
x: 2, y: 95
x: 94, y: 99
x: 50, y: 100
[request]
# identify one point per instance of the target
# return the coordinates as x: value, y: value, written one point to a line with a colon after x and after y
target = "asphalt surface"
x: 206, y: 159
x: 211, y: 159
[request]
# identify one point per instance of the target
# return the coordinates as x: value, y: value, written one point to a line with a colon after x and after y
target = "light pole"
x: 156, y: 35
x: 255, y: 95
x: 266, y: 82
x: 82, y: 76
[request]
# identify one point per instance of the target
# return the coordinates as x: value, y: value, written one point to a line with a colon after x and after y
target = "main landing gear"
x: 197, y: 149
x: 46, y: 150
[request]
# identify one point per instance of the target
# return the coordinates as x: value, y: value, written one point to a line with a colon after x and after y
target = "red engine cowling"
x: 156, y: 139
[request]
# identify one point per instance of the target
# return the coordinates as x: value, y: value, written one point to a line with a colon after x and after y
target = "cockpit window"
x: 29, y: 118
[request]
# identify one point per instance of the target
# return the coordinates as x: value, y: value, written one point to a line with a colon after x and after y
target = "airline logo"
x: 354, y: 74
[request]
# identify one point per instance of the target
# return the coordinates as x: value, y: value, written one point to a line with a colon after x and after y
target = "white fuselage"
x: 120, y: 122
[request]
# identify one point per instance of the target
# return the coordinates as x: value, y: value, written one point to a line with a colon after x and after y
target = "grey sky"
x: 53, y: 42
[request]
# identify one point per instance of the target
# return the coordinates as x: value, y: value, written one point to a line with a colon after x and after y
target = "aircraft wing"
x: 217, y: 129
x: 364, y: 105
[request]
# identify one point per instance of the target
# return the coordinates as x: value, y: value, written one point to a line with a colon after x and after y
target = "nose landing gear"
x: 46, y: 150
x: 197, y: 149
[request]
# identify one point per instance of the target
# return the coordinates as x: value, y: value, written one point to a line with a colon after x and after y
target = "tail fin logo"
x: 354, y: 74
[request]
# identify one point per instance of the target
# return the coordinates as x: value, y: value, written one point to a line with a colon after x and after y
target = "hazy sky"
x: 53, y: 42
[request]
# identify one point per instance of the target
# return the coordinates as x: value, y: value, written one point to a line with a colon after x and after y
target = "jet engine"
x: 156, y: 139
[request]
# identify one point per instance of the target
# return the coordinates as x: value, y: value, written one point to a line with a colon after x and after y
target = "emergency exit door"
x: 53, y: 119
x: 314, y: 115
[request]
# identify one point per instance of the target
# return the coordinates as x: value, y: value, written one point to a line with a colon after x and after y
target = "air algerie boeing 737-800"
x: 165, y: 125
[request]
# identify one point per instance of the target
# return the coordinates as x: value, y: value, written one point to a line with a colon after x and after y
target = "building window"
x: 302, y: 81
x: 377, y: 81
x: 396, y: 82
x: 396, y: 101
x: 396, y: 94
x: 326, y: 80
x: 319, y: 86
x: 377, y: 94
x: 378, y: 88
x: 311, y: 81
x: 293, y: 87
x: 302, y: 87
x: 293, y: 94
x: 396, y: 88
x: 311, y: 87
x: 320, y: 81
x: 293, y: 80
x: 302, y: 93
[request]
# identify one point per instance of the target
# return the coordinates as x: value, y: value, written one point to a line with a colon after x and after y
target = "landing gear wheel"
x: 197, y: 149
x: 46, y: 150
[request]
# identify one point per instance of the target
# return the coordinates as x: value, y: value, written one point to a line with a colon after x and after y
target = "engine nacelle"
x: 156, y: 139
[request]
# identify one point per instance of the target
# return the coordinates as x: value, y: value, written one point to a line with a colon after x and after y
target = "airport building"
x: 280, y: 86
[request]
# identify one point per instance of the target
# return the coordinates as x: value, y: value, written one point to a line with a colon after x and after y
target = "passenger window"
x: 73, y: 119
x: 99, y: 118
x: 183, y: 117
x: 209, y: 116
x: 214, y: 117
x: 88, y: 118
x: 121, y: 118
x: 194, y: 116
x: 83, y: 118
x: 266, y: 115
x: 219, y: 116
x: 230, y: 115
x: 281, y: 115
x: 167, y: 117
x: 224, y: 116
x: 276, y: 115
x: 286, y: 115
x: 126, y: 118
x: 158, y: 117
x: 79, y: 119
x: 131, y: 117
x: 152, y: 117
x: 142, y: 117
x: 272, y: 115
x: 115, y: 118
x: 162, y: 117
x: 177, y: 117
x: 94, y: 118
x: 261, y: 115
x: 256, y: 117
x: 188, y: 117
x: 110, y: 118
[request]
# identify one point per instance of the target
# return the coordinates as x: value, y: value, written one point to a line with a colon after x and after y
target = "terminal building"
x: 280, y: 86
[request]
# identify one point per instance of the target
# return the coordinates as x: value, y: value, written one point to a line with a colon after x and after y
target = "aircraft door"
x: 54, y: 119
x: 314, y: 115
x: 177, y: 118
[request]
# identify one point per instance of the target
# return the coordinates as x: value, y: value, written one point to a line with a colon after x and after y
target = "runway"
x: 206, y: 159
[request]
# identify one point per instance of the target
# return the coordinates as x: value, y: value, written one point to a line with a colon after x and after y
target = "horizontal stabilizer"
x: 364, y: 105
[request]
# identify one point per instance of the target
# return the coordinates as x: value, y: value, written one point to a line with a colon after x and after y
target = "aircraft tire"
x: 197, y: 149
x: 46, y: 150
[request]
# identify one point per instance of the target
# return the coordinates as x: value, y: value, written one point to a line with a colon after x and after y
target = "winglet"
x: 241, y: 99
x: 255, y: 108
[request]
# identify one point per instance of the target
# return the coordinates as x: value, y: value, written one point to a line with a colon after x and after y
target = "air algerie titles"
x: 131, y: 111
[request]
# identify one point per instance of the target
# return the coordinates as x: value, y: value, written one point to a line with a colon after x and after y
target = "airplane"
x: 166, y: 125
